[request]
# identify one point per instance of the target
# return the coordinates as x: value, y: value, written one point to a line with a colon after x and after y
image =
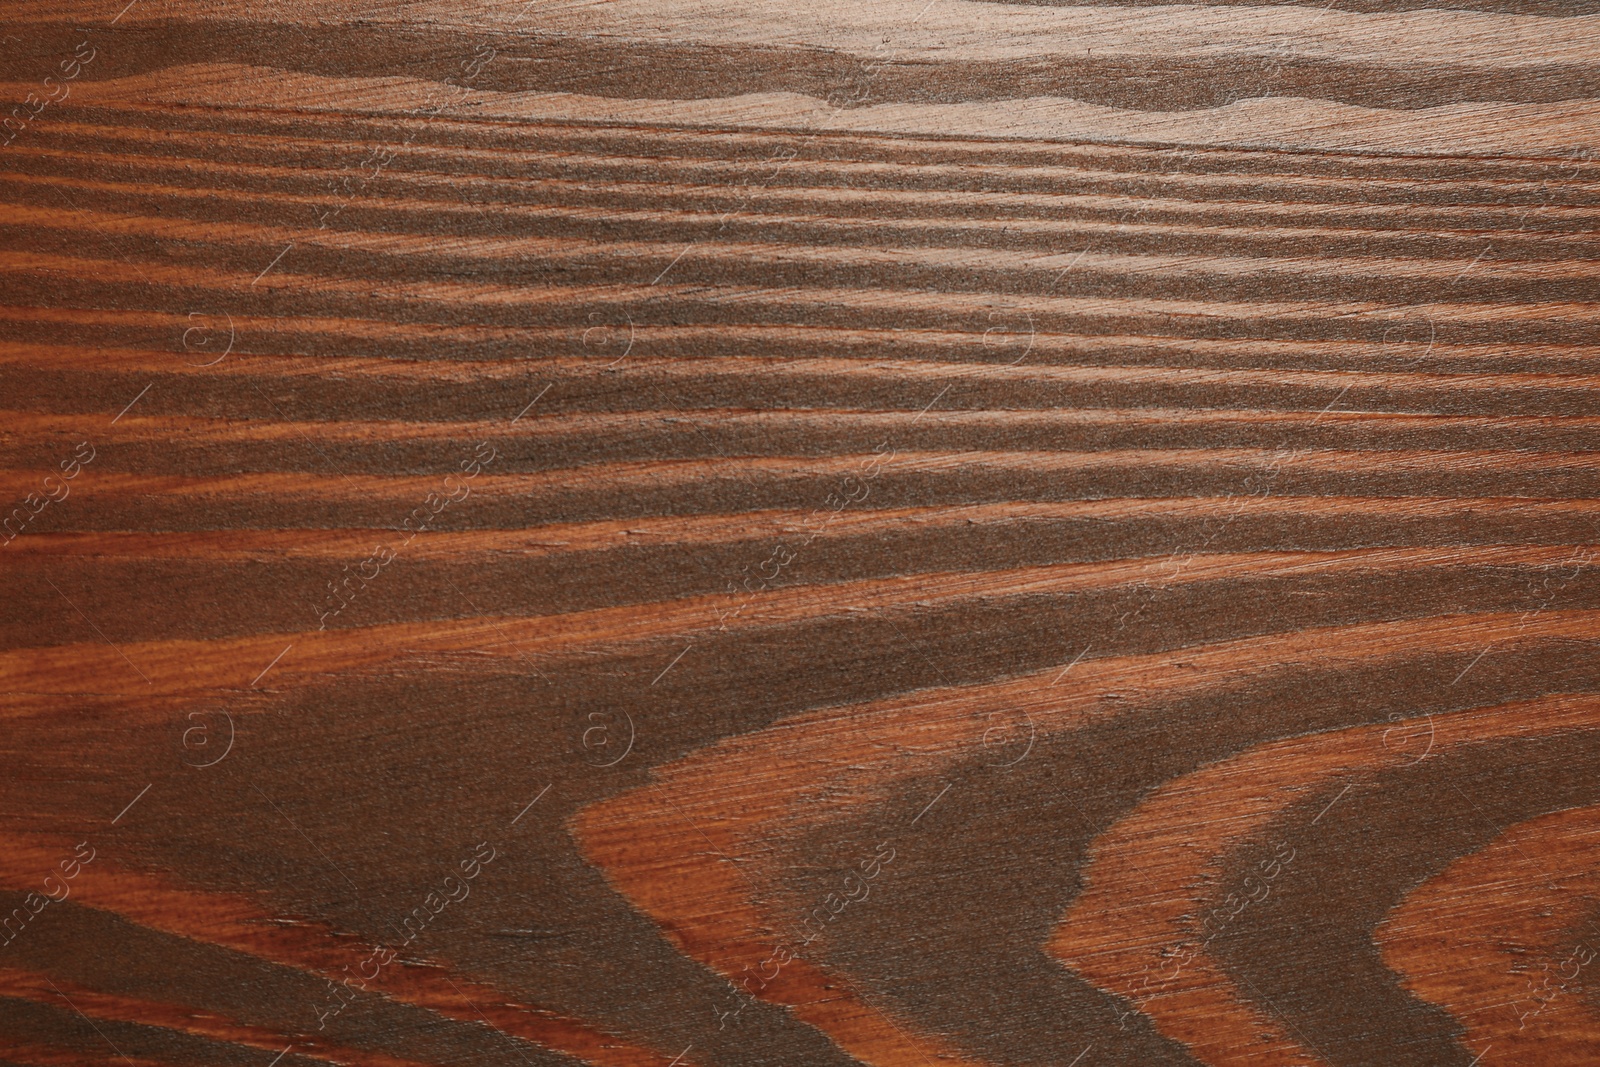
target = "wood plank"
x: 651, y: 534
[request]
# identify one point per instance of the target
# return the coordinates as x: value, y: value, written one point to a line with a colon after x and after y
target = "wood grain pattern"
x: 649, y: 534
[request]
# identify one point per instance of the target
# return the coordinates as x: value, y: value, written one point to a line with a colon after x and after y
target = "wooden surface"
x: 745, y: 534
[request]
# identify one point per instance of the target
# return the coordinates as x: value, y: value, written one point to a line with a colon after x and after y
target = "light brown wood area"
x: 917, y: 534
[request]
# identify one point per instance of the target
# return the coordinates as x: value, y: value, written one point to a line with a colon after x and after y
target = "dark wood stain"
x: 873, y: 584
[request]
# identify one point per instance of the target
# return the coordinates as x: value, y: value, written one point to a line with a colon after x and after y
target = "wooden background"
x: 744, y: 534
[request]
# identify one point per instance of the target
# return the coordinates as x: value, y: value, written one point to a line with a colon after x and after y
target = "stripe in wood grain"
x: 1503, y: 940
x: 98, y: 1006
x: 396, y: 260
x: 1174, y: 65
x: 748, y: 169
x: 1102, y: 228
x: 62, y: 281
x: 953, y: 32
x: 588, y: 567
x: 1406, y: 826
x: 178, y: 665
x: 1561, y: 128
x: 1137, y: 928
x: 901, y: 738
x: 318, y: 957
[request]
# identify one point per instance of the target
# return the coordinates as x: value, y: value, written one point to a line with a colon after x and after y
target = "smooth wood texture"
x: 659, y: 533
